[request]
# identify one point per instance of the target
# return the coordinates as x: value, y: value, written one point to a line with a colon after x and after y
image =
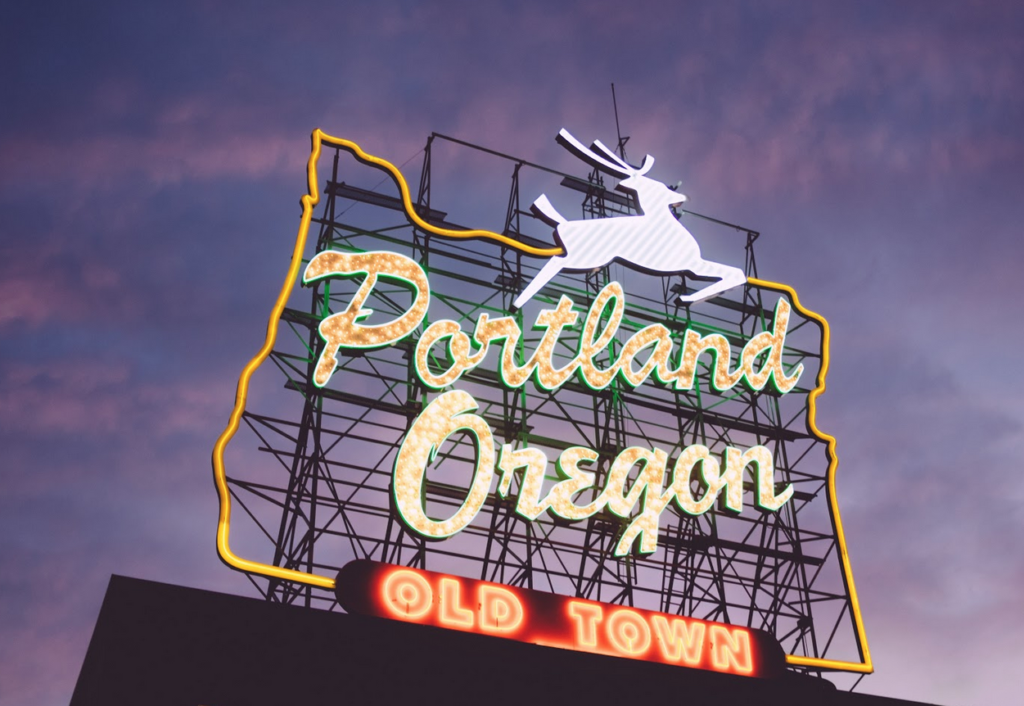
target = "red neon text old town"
x: 440, y: 600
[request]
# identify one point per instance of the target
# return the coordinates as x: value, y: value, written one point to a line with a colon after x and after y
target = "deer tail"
x: 543, y: 209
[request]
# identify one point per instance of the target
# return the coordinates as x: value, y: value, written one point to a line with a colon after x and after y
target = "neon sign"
x: 653, y: 240
x: 536, y: 617
x: 343, y: 330
x: 452, y: 411
x: 638, y: 481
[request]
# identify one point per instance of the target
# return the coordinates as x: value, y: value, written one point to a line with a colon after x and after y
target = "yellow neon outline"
x: 865, y: 667
x: 310, y: 200
x: 241, y: 395
x: 410, y: 212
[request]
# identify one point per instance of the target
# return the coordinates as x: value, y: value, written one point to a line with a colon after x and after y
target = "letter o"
x: 628, y: 632
x: 446, y: 415
x: 406, y: 594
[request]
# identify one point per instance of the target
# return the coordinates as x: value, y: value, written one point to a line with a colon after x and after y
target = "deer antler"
x: 633, y: 171
x: 610, y: 162
x: 600, y: 147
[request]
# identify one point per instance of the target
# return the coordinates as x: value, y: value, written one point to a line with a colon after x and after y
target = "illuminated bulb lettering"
x: 756, y: 346
x: 574, y: 497
x: 783, y: 383
x: 528, y: 505
x: 574, y: 481
x: 453, y: 613
x: 685, y: 376
x: 657, y: 363
x: 504, y: 329
x: 343, y: 330
x: 731, y: 482
x: 459, y: 352
x: 730, y: 649
x: 645, y: 490
x: 593, y: 343
x: 679, y: 640
x: 690, y: 457
x: 451, y: 413
x: 628, y: 632
x: 718, y: 346
x: 443, y: 417
x: 542, y: 360
x: 586, y: 617
x: 765, y: 498
x: 652, y: 464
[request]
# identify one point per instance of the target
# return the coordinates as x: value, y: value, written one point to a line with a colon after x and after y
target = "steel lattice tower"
x: 317, y: 494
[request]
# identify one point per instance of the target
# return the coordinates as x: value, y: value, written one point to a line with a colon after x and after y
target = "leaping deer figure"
x: 654, y: 241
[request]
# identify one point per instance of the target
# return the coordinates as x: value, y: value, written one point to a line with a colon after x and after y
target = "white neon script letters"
x: 760, y: 363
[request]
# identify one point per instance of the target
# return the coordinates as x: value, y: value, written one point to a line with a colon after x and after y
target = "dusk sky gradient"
x: 152, y: 158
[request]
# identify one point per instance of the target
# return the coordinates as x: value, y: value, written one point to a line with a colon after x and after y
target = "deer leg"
x: 729, y: 277
x: 553, y: 266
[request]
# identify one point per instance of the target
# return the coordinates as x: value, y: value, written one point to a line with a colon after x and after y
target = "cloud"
x: 181, y: 149
x: 927, y: 484
x: 40, y: 285
x: 64, y: 544
x: 81, y: 398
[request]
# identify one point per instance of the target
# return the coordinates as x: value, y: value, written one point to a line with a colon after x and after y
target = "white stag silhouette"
x: 654, y: 241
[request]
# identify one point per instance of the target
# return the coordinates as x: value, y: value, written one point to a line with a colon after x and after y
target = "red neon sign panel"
x: 431, y: 598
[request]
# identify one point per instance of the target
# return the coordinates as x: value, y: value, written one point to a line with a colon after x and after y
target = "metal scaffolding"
x: 321, y: 495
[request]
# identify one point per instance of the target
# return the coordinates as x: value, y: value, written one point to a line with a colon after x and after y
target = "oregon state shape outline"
x: 309, y: 201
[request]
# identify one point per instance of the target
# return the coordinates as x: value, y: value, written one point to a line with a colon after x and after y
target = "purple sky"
x: 151, y: 162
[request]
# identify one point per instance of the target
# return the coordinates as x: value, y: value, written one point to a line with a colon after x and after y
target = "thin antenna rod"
x: 621, y: 147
